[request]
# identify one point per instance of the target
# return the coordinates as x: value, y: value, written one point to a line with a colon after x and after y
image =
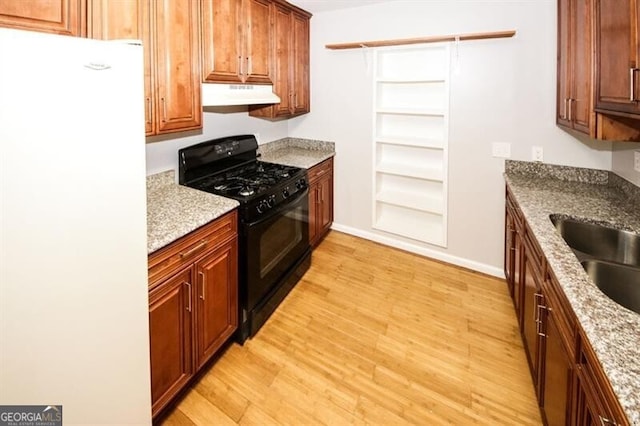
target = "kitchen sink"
x: 589, y: 240
x: 621, y: 283
x: 610, y: 256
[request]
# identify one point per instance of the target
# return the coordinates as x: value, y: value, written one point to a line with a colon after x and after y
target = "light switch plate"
x: 636, y: 160
x: 501, y: 150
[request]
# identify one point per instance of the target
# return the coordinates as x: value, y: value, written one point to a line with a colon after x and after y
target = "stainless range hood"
x: 215, y: 94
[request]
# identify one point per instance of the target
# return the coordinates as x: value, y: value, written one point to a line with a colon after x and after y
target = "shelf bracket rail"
x: 421, y: 40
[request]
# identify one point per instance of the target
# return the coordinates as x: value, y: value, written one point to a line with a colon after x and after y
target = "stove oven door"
x: 273, y: 245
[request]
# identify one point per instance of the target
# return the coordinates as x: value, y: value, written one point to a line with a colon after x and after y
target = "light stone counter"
x: 595, y: 196
x: 304, y: 153
x: 174, y: 210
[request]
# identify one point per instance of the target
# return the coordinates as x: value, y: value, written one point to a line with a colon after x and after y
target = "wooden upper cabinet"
x: 127, y: 19
x: 282, y: 66
x: 178, y: 96
x: 64, y: 17
x: 581, y: 105
x: 564, y: 68
x: 236, y: 41
x: 300, y: 59
x: 597, y: 69
x: 617, y: 54
x: 290, y: 67
x: 170, y: 37
x: 575, y: 75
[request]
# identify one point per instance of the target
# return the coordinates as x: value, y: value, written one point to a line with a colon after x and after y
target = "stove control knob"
x: 301, y: 183
x: 271, y: 201
x: 285, y: 193
x: 262, y: 207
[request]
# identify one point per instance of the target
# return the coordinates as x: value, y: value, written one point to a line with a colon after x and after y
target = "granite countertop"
x: 597, y: 196
x: 174, y: 210
x: 303, y: 153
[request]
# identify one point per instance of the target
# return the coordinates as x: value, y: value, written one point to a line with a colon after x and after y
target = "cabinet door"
x: 616, y: 52
x: 314, y: 207
x: 509, y: 246
x: 282, y: 67
x: 564, y: 59
x: 581, y: 103
x: 326, y: 204
x: 127, y: 19
x: 64, y: 17
x: 557, y: 377
x: 221, y: 41
x: 217, y: 300
x: 590, y: 409
x: 177, y: 65
x: 300, y: 64
x: 518, y: 283
x: 170, y: 328
x: 258, y: 38
x: 530, y: 312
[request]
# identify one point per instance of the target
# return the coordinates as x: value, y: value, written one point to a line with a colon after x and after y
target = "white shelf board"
x: 411, y: 171
x: 399, y: 80
x: 436, y: 112
x: 416, y: 142
x: 432, y: 203
x: 422, y: 231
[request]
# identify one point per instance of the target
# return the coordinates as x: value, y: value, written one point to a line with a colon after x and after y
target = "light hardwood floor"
x: 374, y: 335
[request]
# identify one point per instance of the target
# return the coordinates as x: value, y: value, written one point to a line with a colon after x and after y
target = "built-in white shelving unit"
x: 411, y: 93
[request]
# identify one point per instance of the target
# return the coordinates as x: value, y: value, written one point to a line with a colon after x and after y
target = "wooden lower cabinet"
x: 530, y: 312
x: 216, y: 313
x: 320, y: 201
x: 170, y: 325
x: 514, y: 234
x: 569, y: 383
x: 595, y: 401
x: 193, y: 305
x: 557, y: 373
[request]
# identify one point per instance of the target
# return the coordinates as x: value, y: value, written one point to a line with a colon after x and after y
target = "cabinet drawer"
x: 189, y: 248
x: 320, y: 170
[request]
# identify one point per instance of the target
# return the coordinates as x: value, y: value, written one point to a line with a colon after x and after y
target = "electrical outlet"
x: 636, y: 160
x: 501, y: 149
x: 536, y: 153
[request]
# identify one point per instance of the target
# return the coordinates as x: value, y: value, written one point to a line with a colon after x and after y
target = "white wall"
x: 622, y: 162
x: 505, y: 92
x: 162, y: 151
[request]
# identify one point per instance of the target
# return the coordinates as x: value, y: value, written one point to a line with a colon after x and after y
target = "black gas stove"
x: 230, y: 167
x: 274, y: 249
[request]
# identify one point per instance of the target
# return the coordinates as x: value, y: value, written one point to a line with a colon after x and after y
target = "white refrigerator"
x: 73, y: 259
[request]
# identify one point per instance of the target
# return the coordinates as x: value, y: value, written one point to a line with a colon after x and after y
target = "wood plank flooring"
x: 374, y: 335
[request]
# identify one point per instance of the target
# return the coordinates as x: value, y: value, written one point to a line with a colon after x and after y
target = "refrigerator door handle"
x: 97, y: 66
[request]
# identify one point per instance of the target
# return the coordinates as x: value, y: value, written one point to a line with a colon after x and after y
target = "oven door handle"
x: 280, y: 208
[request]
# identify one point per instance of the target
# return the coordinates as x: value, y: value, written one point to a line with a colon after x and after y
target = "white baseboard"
x: 423, y: 251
